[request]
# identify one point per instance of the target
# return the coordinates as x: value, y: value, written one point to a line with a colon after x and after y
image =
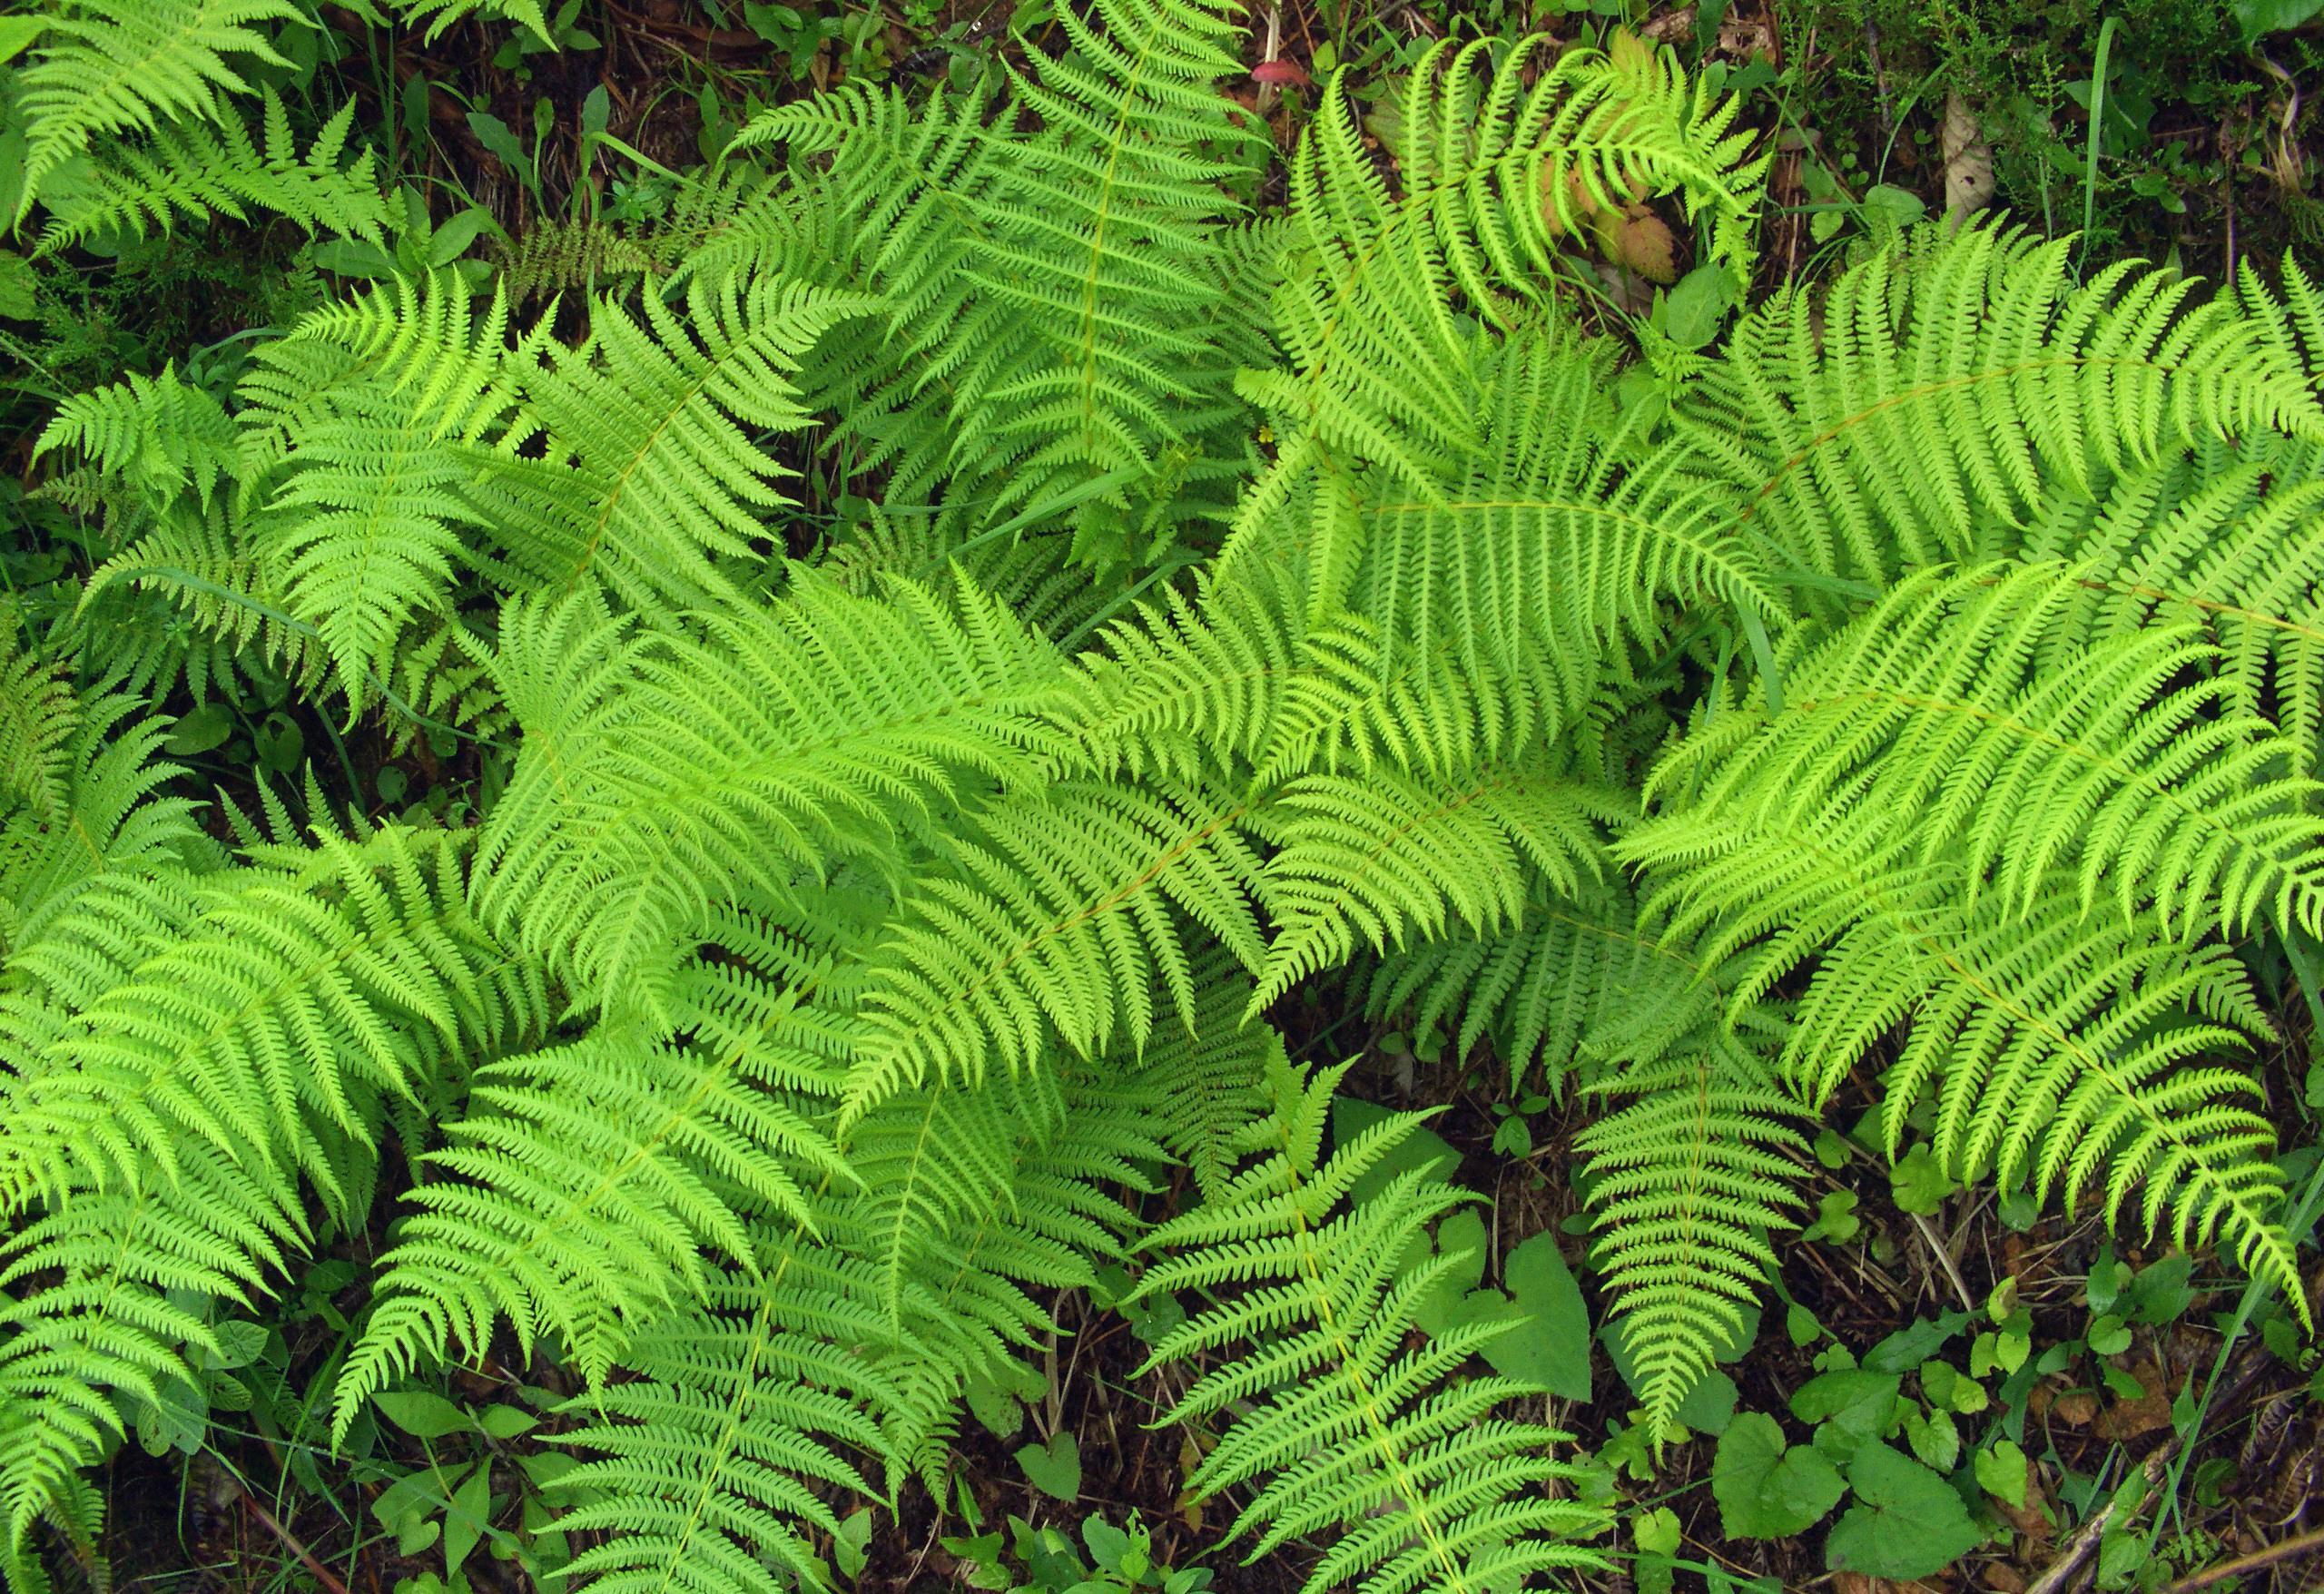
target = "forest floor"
x: 1876, y: 106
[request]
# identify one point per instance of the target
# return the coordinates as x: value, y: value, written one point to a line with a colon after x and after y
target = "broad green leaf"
x: 1055, y: 1468
x: 2001, y: 1472
x: 422, y: 1414
x: 1908, y: 1522
x: 1765, y: 1489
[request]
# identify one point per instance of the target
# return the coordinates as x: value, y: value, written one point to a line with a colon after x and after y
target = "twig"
x: 322, y: 1574
x: 1944, y: 1260
x: 2305, y: 1543
x: 2084, y: 1542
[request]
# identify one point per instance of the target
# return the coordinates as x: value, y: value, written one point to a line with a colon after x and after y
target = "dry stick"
x: 291, y: 1541
x: 2084, y: 1542
x: 1944, y: 1260
x: 2305, y: 1543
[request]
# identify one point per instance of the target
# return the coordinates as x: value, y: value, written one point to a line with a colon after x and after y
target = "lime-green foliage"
x: 854, y: 917
x: 1418, y: 1479
x: 103, y: 69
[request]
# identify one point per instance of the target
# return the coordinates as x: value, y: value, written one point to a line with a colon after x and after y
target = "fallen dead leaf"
x: 1642, y: 242
x: 2075, y: 1409
x: 2004, y: 1580
x: 1671, y: 26
x: 2150, y: 1411
x: 1744, y: 37
x: 1968, y: 160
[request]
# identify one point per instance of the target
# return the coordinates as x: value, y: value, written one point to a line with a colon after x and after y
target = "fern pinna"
x: 857, y: 920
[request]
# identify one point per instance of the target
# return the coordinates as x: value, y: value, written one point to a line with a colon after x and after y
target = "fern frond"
x: 976, y: 1194
x: 309, y: 991
x: 1211, y: 1073
x: 2227, y: 537
x: 1937, y: 386
x: 39, y: 714
x: 1054, y: 265
x: 442, y: 14
x: 197, y: 168
x: 1372, y: 859
x: 1236, y: 682
x: 654, y: 468
x: 1060, y: 917
x: 1569, y: 976
x: 110, y: 824
x: 107, y: 69
x: 585, y: 1183
x: 2129, y: 768
x: 709, y: 1468
x: 102, y: 1298
x: 377, y: 410
x: 1686, y: 1183
x: 1414, y: 1475
x: 662, y: 774
x: 159, y: 434
x: 2061, y: 1043
x: 1380, y: 363
x: 1554, y: 539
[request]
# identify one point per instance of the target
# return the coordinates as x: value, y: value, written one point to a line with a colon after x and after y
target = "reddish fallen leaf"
x: 2075, y: 1409
x: 1281, y: 73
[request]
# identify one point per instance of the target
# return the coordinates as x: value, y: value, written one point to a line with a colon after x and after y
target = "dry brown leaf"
x: 1566, y: 203
x: 2150, y: 1411
x: 2004, y: 1580
x: 1641, y: 241
x: 1968, y: 160
x: 2075, y: 1409
x: 1744, y: 37
x: 1671, y: 26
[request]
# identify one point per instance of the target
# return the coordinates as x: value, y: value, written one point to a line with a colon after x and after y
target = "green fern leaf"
x: 1347, y: 1432
x: 111, y: 69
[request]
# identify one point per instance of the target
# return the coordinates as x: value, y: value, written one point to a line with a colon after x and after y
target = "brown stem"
x: 2305, y: 1544
x: 322, y: 1574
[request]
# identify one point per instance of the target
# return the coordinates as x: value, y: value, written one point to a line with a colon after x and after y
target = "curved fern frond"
x: 976, y: 1194
x: 1686, y: 1183
x: 1381, y: 366
x: 585, y: 1185
x: 2131, y: 769
x: 1370, y: 860
x: 662, y: 774
x: 1876, y: 426
x: 2060, y: 1043
x: 110, y: 68
x: 1060, y: 917
x: 654, y: 469
x: 2227, y: 537
x: 308, y: 991
x: 1554, y: 540
x: 1352, y: 1425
